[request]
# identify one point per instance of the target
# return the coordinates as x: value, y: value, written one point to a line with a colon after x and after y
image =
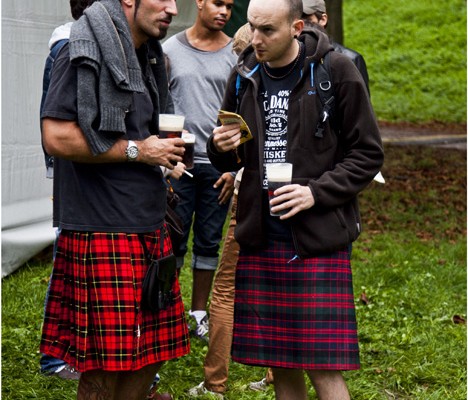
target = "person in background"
x: 216, y: 364
x: 315, y: 12
x: 199, y: 61
x: 290, y: 266
x: 241, y: 39
x: 100, y: 123
x: 60, y: 35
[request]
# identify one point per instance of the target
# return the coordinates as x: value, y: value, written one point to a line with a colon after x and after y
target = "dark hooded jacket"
x: 336, y: 167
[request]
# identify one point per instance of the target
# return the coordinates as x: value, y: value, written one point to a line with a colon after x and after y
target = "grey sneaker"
x: 202, y: 329
x: 67, y: 372
x: 259, y: 386
x: 201, y: 390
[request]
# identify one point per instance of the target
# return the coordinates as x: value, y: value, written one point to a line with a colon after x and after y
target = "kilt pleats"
x: 93, y: 318
x: 293, y: 313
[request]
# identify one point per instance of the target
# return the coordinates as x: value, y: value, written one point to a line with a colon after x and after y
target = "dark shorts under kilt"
x: 93, y: 319
x: 295, y: 314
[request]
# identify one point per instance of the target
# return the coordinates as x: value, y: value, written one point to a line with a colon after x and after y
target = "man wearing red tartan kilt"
x: 294, y: 303
x: 100, y: 122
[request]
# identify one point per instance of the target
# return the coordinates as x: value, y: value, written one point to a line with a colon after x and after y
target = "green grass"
x: 416, y: 56
x: 409, y: 279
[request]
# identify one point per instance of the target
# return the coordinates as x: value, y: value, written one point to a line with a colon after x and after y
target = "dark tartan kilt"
x: 93, y: 320
x: 295, y: 314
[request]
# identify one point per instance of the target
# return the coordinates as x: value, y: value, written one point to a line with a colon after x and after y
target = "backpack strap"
x: 54, y: 51
x: 321, y: 79
x: 56, y: 48
x: 48, y: 67
x: 240, y: 86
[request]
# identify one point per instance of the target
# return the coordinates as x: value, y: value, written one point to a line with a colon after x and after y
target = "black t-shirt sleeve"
x: 61, y: 99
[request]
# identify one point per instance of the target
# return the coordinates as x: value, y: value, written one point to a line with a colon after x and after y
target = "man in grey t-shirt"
x: 199, y: 62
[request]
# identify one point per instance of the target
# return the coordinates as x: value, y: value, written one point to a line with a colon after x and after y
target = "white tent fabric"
x: 26, y: 193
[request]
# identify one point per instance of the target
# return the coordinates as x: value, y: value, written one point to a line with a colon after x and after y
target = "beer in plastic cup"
x: 278, y: 175
x: 171, y: 125
x: 189, y: 139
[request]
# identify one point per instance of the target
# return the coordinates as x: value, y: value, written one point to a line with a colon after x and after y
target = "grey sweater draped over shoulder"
x: 108, y: 73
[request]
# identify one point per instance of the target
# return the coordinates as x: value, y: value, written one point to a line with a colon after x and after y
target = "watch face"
x: 132, y: 152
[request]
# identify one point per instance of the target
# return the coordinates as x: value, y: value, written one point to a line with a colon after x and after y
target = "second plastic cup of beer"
x: 189, y: 139
x: 171, y: 125
x: 278, y: 175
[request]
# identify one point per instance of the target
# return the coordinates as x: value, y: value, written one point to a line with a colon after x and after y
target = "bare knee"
x: 106, y: 385
x: 324, y: 375
x: 97, y: 384
x: 329, y: 385
x: 289, y: 384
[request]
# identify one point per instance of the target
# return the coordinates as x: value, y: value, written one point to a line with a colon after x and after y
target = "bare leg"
x: 269, y: 377
x: 289, y: 384
x: 201, y: 287
x: 329, y: 385
x: 105, y: 385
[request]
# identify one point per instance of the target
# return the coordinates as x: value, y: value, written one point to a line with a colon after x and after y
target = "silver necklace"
x: 265, y: 67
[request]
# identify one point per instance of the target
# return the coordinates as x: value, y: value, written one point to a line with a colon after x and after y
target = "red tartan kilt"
x: 295, y: 314
x: 93, y: 319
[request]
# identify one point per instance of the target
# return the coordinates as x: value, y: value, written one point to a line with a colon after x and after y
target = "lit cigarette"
x: 188, y: 173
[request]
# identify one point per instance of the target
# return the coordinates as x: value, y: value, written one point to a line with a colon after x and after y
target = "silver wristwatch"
x: 132, y: 151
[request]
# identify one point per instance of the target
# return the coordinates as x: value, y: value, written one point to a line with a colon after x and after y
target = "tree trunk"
x: 335, y: 20
x: 238, y: 17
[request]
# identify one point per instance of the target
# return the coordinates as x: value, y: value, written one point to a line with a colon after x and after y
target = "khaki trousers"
x: 222, y: 312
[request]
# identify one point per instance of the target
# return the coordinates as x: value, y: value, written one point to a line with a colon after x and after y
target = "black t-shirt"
x: 276, y: 86
x: 113, y: 197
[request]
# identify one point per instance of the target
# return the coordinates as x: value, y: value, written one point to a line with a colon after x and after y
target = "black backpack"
x: 321, y: 80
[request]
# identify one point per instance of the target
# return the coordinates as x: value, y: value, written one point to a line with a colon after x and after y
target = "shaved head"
x: 292, y: 7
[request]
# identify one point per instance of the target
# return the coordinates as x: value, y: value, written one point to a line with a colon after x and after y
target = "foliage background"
x: 416, y: 56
